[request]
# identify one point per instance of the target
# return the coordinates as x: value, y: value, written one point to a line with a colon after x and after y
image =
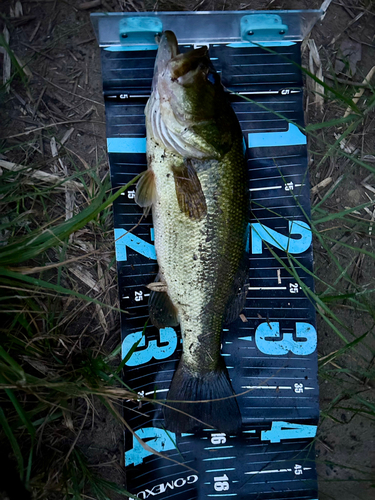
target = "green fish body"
x: 196, y: 184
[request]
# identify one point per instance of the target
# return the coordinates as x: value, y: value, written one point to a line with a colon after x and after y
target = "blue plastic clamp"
x: 262, y: 27
x: 140, y: 30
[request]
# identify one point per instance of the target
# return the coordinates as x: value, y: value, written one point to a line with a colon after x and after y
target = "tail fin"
x: 224, y: 415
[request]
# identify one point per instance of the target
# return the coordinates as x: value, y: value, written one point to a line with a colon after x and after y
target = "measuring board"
x: 271, y: 357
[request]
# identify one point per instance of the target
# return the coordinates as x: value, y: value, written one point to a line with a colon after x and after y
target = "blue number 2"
x: 260, y: 232
x: 304, y: 345
x: 167, y: 336
x: 124, y: 239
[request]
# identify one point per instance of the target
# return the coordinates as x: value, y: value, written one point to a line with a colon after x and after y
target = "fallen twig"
x: 360, y: 92
x: 321, y: 185
x: 347, y: 82
x: 7, y: 63
x: 90, y: 5
x: 51, y: 125
x: 68, y: 91
x: 42, y: 176
x: 318, y: 89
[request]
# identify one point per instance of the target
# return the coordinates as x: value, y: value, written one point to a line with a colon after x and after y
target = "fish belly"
x: 198, y: 259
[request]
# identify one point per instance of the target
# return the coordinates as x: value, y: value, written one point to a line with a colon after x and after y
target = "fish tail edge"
x: 219, y: 407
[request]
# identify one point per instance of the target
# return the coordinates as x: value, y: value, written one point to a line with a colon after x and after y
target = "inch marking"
x: 218, y: 438
x: 267, y: 287
x: 156, y: 391
x: 265, y: 188
x: 217, y: 458
x: 266, y: 387
x: 298, y: 469
x: 270, y: 92
x: 218, y: 447
x: 289, y: 186
x: 220, y: 470
x: 269, y: 471
x: 268, y: 177
x: 126, y: 144
x: 292, y: 137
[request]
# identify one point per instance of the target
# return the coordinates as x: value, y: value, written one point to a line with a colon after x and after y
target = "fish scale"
x: 191, y: 254
x: 196, y: 184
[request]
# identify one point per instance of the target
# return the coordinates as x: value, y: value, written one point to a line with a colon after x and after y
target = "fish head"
x: 187, y: 83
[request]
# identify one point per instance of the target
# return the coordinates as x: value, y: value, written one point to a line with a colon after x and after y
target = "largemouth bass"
x: 196, y: 184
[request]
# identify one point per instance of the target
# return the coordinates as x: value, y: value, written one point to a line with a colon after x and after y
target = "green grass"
x: 39, y: 299
x: 46, y: 374
x: 344, y: 298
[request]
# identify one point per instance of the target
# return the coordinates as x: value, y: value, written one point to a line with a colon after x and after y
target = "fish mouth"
x: 183, y: 67
x: 167, y: 50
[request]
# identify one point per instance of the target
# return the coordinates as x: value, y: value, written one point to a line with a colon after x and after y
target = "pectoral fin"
x: 145, y: 194
x: 189, y: 192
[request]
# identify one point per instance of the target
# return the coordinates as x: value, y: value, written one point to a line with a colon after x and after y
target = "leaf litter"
x: 66, y: 103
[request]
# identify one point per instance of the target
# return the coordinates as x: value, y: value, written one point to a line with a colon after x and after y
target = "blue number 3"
x: 304, y: 345
x: 153, y: 351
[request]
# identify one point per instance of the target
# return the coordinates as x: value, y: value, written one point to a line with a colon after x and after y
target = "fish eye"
x: 211, y: 78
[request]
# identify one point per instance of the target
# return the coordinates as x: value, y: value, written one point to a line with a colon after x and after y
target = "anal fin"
x: 162, y: 312
x: 240, y: 287
x: 190, y: 196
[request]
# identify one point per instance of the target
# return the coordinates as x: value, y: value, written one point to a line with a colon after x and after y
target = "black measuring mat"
x: 270, y: 351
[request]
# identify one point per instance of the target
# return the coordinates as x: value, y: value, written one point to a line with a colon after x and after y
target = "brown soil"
x: 56, y: 41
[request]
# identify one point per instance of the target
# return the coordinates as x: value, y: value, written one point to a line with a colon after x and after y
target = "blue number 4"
x: 160, y: 440
x: 287, y: 430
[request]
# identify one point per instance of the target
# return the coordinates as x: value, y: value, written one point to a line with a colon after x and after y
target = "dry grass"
x: 59, y: 355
